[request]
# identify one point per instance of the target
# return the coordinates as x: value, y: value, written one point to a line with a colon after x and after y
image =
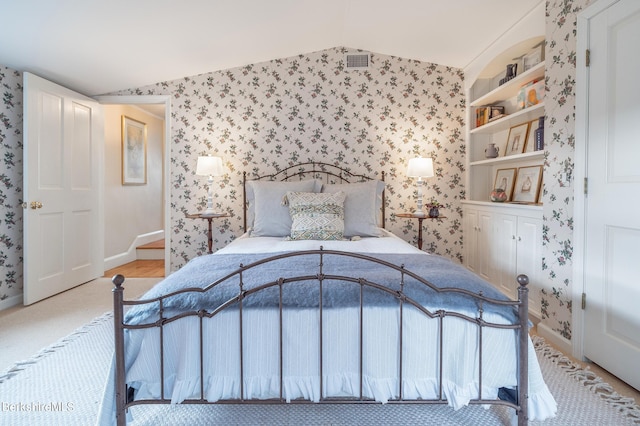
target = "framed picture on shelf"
x: 134, y: 152
x: 530, y: 146
x: 517, y: 139
x: 528, y: 183
x: 533, y: 58
x: 504, y: 180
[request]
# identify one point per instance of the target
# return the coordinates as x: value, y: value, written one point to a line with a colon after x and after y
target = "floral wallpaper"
x: 308, y: 107
x: 561, y: 28
x: 270, y: 115
x: 10, y: 184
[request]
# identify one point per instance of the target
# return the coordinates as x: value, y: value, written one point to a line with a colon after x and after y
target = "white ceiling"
x: 100, y: 46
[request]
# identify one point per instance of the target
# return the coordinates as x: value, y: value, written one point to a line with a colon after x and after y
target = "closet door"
x: 612, y: 232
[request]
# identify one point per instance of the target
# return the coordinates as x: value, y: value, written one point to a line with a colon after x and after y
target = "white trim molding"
x: 130, y: 255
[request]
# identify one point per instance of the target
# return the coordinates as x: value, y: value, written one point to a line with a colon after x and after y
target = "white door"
x: 63, y: 244
x: 612, y: 233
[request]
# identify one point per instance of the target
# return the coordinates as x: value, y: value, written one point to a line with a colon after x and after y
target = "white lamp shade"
x: 209, y: 166
x: 420, y: 167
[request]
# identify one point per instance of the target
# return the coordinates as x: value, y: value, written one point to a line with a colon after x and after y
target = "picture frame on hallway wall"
x: 134, y: 151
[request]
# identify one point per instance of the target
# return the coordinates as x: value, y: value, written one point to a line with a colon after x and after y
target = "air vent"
x: 357, y: 61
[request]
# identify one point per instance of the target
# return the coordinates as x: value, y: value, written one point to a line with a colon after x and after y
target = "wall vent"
x: 357, y: 61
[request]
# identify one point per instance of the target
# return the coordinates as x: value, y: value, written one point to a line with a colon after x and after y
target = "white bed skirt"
x: 301, y: 363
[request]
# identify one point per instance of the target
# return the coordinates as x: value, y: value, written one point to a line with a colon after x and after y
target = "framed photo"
x: 517, y: 139
x: 528, y: 183
x: 532, y: 59
x: 134, y: 152
x: 504, y: 180
x: 530, y: 146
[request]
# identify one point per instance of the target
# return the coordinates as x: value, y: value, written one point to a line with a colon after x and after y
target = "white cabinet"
x: 478, y: 228
x: 518, y: 250
x: 502, y: 242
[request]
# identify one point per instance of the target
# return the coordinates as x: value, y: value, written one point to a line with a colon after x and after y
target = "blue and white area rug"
x: 63, y: 385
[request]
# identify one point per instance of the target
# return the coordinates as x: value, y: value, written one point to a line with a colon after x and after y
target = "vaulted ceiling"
x: 100, y: 46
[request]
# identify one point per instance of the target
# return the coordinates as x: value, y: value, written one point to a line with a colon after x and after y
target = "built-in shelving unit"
x: 502, y: 240
x: 482, y: 93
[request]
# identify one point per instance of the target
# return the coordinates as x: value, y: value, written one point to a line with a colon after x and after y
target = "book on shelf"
x: 486, y: 114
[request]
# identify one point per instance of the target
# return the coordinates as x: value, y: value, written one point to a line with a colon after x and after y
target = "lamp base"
x: 419, y: 213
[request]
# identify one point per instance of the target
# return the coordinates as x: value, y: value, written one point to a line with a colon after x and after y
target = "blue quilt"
x: 205, y: 270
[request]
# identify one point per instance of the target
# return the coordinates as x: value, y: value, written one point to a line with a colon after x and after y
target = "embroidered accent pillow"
x: 266, y: 216
x: 316, y: 216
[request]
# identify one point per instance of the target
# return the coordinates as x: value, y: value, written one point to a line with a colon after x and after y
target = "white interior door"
x: 612, y: 232
x: 63, y: 243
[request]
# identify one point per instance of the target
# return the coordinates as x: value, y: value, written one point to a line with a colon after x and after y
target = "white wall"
x: 131, y: 210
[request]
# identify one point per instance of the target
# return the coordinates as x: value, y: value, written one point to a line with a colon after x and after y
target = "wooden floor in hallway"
x: 139, y: 269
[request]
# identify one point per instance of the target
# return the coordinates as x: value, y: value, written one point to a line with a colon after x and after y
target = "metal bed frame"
x: 517, y: 400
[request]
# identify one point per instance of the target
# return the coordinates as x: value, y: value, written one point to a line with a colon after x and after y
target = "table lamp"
x: 421, y: 168
x: 209, y: 166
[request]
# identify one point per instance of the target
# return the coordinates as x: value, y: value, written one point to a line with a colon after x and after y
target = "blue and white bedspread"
x: 261, y: 332
x: 202, y: 271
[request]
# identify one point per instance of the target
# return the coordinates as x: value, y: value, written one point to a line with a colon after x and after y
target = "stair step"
x: 152, y: 250
x: 152, y: 245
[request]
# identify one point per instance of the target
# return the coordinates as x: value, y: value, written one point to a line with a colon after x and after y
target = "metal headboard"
x: 327, y: 173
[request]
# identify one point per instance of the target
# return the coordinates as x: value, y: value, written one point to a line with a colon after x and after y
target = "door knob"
x: 36, y: 205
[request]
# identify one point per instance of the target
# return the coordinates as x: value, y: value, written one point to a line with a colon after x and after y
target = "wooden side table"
x: 420, y: 219
x: 209, y: 218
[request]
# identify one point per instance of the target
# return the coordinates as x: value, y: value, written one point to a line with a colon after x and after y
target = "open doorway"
x: 136, y: 215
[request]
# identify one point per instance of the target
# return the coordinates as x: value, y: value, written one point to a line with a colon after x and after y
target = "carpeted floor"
x: 63, y: 385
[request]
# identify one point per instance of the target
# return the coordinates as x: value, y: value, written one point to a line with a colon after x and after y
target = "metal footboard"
x: 123, y: 403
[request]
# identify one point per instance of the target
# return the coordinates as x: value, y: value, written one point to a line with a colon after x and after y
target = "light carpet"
x: 63, y: 385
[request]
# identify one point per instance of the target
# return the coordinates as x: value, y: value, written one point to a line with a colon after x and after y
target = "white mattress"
x: 340, y: 353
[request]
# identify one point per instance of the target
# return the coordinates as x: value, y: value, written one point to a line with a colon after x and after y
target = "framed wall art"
x: 517, y: 139
x: 134, y: 152
x: 504, y: 180
x: 528, y: 183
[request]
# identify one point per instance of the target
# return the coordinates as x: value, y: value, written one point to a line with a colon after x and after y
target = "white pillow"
x: 316, y: 216
x: 361, y: 207
x: 267, y: 216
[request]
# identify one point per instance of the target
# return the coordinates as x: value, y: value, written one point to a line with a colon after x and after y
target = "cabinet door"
x: 505, y: 253
x: 484, y: 246
x: 470, y: 217
x: 478, y: 225
x: 529, y: 257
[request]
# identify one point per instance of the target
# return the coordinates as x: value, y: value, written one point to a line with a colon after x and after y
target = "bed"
x: 318, y: 303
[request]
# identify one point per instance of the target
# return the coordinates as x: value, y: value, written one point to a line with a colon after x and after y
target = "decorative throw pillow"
x: 362, y: 207
x: 267, y: 217
x: 316, y: 216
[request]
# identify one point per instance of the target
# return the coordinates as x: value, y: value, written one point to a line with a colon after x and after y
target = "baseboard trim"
x: 561, y: 343
x: 130, y: 255
x: 10, y: 302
